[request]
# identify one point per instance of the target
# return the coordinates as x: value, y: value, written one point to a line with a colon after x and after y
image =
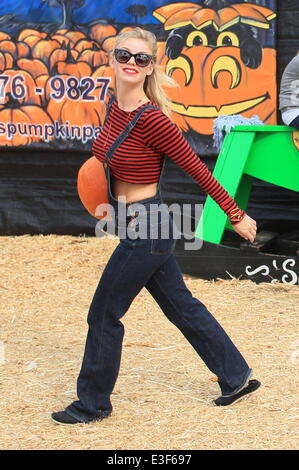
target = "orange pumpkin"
x: 62, y: 55
x: 8, y: 46
x: 71, y: 67
x: 214, y: 81
x: 23, y: 50
x: 219, y: 88
x: 20, y: 115
x: 100, y: 31
x: 92, y: 188
x: 32, y: 40
x: 75, y: 35
x: 61, y: 31
x: 108, y: 44
x: 94, y: 57
x: 77, y: 113
x: 6, y: 61
x: 25, y: 33
x: 84, y: 44
x: 34, y: 66
x: 43, y: 49
x: 2, y: 62
x: 19, y: 49
x: 4, y: 36
x: 63, y: 40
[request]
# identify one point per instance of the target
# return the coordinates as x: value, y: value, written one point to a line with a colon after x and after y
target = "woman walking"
x: 133, y: 158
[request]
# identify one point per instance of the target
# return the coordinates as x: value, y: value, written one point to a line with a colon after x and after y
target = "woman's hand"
x: 246, y: 228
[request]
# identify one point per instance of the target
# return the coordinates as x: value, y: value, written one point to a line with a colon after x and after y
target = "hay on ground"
x: 163, y: 396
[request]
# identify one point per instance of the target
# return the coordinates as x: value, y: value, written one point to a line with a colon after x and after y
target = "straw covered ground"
x: 163, y: 396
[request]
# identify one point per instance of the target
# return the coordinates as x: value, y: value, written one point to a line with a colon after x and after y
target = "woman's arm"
x: 164, y: 136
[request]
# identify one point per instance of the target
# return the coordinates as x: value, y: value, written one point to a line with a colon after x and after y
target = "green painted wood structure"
x: 269, y: 153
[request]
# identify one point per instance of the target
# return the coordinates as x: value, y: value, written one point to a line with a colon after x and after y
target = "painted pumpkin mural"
x: 221, y: 67
x: 56, y: 58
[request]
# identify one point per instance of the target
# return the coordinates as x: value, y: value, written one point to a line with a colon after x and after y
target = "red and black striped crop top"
x: 139, y: 158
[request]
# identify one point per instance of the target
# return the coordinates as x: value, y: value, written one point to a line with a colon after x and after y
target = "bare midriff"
x: 132, y: 191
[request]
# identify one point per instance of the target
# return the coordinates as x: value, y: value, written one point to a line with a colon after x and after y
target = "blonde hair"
x: 153, y: 84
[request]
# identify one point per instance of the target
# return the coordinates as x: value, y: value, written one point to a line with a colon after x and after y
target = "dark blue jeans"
x: 147, y: 262
x: 295, y: 123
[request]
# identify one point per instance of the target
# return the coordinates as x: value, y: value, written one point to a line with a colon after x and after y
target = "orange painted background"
x: 54, y: 85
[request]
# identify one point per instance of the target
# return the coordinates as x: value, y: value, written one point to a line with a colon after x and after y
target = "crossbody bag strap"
x: 126, y: 131
x: 108, y: 107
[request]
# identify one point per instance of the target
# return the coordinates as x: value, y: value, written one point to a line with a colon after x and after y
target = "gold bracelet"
x: 236, y: 215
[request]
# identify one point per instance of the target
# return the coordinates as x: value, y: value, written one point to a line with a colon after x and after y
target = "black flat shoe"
x: 61, y: 417
x: 252, y: 386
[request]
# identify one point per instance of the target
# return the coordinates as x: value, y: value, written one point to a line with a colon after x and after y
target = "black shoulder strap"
x: 108, y: 107
x: 112, y: 98
x: 127, y: 130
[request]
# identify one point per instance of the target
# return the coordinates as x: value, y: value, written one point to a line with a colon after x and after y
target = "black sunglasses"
x: 123, y: 56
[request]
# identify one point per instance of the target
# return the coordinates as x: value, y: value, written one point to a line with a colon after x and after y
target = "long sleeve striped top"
x: 139, y: 158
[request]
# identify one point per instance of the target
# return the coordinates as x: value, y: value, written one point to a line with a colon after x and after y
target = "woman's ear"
x: 150, y: 71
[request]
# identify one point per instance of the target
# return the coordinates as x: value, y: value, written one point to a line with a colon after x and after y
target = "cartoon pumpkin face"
x: 219, y: 64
